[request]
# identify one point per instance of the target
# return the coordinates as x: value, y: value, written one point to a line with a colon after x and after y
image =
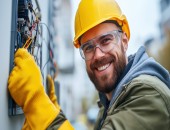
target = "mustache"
x: 102, y: 61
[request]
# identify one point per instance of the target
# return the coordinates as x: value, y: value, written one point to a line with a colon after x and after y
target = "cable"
x: 47, y: 29
x: 42, y: 70
x: 47, y: 44
x: 50, y: 52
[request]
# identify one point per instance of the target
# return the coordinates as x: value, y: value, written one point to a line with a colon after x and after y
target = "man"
x: 134, y: 92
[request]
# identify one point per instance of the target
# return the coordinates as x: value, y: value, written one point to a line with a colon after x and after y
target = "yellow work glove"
x: 26, y: 126
x: 52, y: 96
x: 26, y: 88
x: 51, y: 91
x: 60, y: 123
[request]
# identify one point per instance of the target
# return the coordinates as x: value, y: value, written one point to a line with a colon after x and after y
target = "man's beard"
x: 108, y: 85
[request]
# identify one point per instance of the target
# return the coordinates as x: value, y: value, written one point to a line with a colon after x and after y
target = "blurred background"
x: 149, y: 24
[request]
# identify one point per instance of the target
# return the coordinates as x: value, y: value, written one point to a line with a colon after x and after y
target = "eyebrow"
x: 102, y: 37
x: 85, y: 44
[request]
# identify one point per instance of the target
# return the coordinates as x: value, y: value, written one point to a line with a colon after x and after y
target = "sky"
x: 143, y: 17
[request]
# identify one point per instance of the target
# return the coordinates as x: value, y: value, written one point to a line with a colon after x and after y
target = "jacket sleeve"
x: 60, y: 123
x: 145, y: 106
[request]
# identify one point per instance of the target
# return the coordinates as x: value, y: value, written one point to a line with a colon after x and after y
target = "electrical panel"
x: 27, y: 32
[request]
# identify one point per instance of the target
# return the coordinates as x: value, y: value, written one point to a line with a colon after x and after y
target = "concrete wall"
x: 6, y: 123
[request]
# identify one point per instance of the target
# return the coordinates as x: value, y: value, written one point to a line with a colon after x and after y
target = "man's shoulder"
x: 148, y: 85
x: 148, y: 80
x: 145, y: 102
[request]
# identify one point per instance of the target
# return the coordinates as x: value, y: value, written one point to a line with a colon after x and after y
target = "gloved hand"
x: 25, y: 86
x: 52, y: 96
x: 51, y: 91
x: 26, y: 126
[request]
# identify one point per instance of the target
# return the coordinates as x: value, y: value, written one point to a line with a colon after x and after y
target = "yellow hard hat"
x: 93, y: 12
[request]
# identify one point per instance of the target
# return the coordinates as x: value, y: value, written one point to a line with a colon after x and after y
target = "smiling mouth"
x: 104, y: 67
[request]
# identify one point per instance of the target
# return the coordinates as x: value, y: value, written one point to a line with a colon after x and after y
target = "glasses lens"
x: 105, y: 42
x: 86, y: 50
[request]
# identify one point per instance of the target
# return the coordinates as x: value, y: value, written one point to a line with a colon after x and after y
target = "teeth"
x: 103, y: 67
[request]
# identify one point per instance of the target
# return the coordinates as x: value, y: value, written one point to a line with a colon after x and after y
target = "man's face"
x: 104, y: 69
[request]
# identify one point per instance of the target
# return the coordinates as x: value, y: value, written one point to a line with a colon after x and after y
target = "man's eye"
x: 106, y: 41
x: 88, y: 48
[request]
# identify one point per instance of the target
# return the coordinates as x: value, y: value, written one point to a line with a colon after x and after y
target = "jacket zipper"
x: 120, y: 95
x: 106, y: 111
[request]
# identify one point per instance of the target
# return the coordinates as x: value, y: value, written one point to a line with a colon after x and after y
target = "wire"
x: 50, y: 52
x: 47, y: 44
x: 42, y: 70
x: 36, y: 59
x: 47, y: 29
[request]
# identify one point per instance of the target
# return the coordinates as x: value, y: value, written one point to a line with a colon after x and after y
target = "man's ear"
x: 125, y: 41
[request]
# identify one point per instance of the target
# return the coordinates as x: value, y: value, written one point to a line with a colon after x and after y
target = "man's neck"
x: 109, y: 96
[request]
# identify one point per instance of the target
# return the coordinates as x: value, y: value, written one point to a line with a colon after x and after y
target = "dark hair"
x: 114, y: 22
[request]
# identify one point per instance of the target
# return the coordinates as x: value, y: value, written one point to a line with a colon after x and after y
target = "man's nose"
x: 98, y: 53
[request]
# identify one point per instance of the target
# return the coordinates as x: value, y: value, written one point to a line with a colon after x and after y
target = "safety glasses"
x: 105, y: 42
